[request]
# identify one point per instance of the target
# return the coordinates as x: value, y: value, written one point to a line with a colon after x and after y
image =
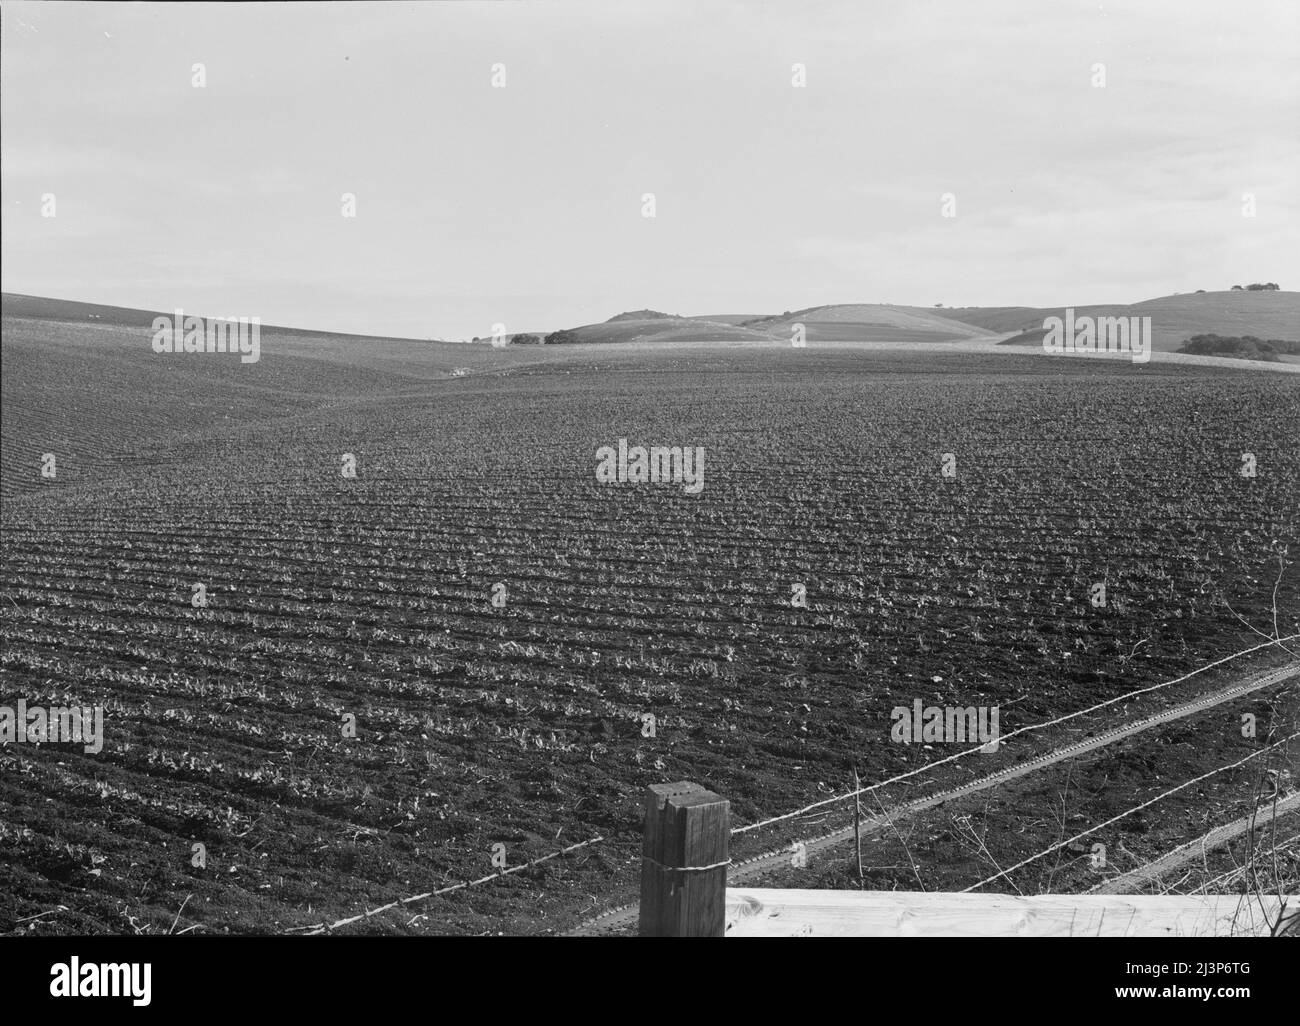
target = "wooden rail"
x: 767, y: 912
x: 684, y: 893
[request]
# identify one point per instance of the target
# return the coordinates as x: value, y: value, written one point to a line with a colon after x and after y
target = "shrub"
x: 1245, y: 347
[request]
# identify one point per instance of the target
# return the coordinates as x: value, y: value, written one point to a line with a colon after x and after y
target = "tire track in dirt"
x: 1129, y: 882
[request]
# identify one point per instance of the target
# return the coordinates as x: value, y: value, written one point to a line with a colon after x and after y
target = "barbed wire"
x: 1137, y: 808
x: 328, y: 927
x: 1262, y: 815
x: 1236, y: 871
x: 1021, y: 730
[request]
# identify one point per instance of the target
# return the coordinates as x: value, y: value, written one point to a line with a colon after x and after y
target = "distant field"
x: 661, y: 329
x: 522, y: 725
x: 869, y: 323
x: 730, y: 318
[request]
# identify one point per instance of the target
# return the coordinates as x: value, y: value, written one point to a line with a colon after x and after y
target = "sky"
x: 522, y: 204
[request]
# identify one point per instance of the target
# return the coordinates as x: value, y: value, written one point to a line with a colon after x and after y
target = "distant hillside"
x: 1174, y: 319
x: 729, y: 318
x: 998, y: 319
x: 15, y: 304
x: 655, y: 329
x: 862, y: 322
x: 1264, y: 314
x: 851, y: 322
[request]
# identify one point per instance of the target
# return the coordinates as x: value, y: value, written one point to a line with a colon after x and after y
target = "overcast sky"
x: 523, y: 204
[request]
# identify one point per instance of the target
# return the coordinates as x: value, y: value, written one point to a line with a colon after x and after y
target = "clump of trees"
x: 1271, y: 286
x: 564, y: 336
x: 1245, y: 347
x: 644, y: 315
x: 526, y: 340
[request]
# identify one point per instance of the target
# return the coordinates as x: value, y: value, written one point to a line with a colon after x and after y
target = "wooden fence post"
x: 687, y: 829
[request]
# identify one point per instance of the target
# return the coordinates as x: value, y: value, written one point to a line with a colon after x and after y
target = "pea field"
x: 364, y: 623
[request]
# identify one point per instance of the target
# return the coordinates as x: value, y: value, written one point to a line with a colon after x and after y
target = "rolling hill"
x: 868, y: 322
x: 1272, y: 314
x: 15, y: 304
x: 82, y: 380
x: 1173, y: 318
x: 856, y: 322
x: 660, y: 328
